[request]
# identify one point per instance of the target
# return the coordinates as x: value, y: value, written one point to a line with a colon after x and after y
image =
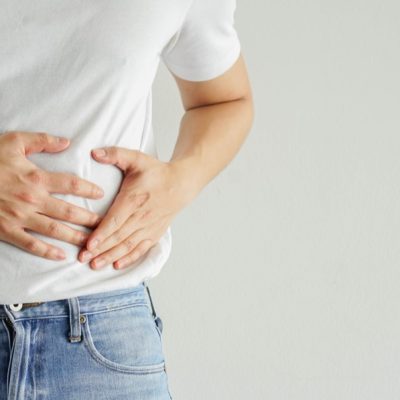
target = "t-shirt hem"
x: 208, y: 71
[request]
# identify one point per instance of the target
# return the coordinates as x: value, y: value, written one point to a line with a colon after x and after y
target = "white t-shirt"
x: 84, y: 70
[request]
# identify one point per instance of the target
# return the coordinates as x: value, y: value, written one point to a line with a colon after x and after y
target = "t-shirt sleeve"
x: 207, y: 43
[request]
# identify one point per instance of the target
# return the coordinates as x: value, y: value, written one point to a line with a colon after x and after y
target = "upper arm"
x: 233, y: 84
x: 205, y: 56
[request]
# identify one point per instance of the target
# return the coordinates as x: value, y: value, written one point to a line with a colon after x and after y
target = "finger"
x: 123, y: 158
x: 52, y: 228
x: 115, y: 217
x: 60, y: 209
x: 60, y: 182
x: 36, y: 142
x: 128, y: 228
x: 28, y: 242
x: 101, y: 258
x: 141, y: 249
x: 123, y: 248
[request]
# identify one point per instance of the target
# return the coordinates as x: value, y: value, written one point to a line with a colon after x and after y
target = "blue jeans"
x: 102, y: 346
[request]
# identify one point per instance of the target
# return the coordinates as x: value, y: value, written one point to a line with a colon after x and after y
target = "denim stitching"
x: 88, y: 313
x: 139, y: 370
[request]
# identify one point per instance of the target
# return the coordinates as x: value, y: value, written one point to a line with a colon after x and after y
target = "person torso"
x: 83, y: 70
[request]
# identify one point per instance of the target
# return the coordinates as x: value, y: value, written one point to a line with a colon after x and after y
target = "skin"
x: 217, y: 119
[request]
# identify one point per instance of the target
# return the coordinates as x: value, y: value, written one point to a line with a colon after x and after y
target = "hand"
x: 151, y: 194
x: 25, y: 200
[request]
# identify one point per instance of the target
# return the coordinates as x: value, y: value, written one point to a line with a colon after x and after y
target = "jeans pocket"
x: 124, y: 340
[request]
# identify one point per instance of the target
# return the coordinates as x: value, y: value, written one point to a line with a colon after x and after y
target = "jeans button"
x: 16, y: 307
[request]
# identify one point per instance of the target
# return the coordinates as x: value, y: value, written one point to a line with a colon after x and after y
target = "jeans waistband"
x: 88, y: 304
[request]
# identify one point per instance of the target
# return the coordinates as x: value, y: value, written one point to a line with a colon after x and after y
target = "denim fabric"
x: 102, y: 346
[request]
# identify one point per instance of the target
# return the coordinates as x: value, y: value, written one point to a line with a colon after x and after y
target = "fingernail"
x: 99, y: 262
x: 86, y: 255
x: 119, y: 265
x: 59, y: 254
x: 92, y: 245
x: 62, y: 139
x: 99, y: 152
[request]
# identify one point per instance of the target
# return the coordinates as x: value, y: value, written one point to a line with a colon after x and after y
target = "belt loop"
x: 75, y: 334
x: 9, y: 314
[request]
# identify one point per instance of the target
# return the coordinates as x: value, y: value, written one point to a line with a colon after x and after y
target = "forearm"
x: 209, y: 138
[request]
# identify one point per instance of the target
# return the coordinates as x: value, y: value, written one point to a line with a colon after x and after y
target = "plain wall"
x: 284, y: 277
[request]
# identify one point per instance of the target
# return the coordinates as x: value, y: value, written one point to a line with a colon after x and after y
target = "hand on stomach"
x: 26, y: 202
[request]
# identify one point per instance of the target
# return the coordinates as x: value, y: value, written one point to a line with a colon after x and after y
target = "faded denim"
x: 102, y: 346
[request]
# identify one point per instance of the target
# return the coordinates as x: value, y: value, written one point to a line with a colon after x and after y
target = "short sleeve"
x: 207, y: 43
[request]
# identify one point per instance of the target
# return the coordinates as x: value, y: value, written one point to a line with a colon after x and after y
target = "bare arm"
x: 218, y: 116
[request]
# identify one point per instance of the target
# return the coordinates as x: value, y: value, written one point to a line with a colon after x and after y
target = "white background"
x: 284, y: 277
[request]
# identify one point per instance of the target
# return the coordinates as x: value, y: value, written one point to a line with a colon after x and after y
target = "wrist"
x: 187, y: 173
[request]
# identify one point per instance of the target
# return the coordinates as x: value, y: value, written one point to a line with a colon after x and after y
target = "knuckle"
x: 14, y: 136
x: 92, y: 190
x: 27, y: 197
x: 42, y: 137
x: 112, y: 151
x: 34, y: 176
x: 138, y: 200
x: 69, y: 213
x: 74, y: 184
x: 49, y: 252
x: 53, y: 228
x: 17, y: 213
x: 132, y: 196
x: 32, y: 245
x: 130, y: 244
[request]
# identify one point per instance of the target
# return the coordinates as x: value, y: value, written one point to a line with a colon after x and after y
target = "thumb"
x: 123, y: 158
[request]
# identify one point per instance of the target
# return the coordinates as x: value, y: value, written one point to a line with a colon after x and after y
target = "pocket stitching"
x: 143, y: 369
